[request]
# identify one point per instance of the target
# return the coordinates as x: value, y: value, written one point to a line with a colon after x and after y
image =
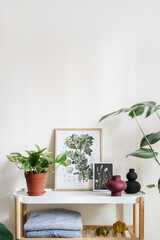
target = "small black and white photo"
x: 102, y: 172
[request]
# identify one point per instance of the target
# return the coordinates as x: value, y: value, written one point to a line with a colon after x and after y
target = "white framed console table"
x: 82, y: 197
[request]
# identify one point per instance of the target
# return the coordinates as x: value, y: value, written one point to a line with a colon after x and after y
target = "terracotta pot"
x: 116, y: 185
x: 36, y: 183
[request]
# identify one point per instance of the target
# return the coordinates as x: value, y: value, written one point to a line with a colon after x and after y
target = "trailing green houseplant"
x: 36, y: 165
x: 37, y: 161
x: 146, y: 150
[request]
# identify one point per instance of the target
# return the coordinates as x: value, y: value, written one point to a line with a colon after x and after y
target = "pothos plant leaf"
x: 36, y: 161
x: 64, y: 163
x: 11, y: 158
x: 61, y: 158
x: 143, y: 153
x: 33, y: 159
x: 152, y: 138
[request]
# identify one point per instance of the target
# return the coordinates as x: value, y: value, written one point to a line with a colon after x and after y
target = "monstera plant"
x: 145, y: 150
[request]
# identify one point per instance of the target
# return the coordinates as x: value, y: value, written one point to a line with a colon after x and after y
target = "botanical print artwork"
x: 82, y: 148
x: 102, y: 173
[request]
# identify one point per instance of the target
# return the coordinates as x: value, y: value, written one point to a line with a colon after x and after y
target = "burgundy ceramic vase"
x: 116, y: 185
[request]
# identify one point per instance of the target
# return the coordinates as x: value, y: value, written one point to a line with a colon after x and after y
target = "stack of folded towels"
x: 56, y: 222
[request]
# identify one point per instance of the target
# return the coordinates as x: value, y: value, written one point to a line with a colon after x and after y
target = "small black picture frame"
x: 102, y: 172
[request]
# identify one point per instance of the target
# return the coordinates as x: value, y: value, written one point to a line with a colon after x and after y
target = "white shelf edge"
x: 77, y: 197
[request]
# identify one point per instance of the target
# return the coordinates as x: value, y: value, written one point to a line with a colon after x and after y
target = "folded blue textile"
x: 53, y: 233
x: 57, y: 218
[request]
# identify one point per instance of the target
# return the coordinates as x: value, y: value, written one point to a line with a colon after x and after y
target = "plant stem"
x: 146, y: 138
x: 158, y: 115
x: 53, y: 164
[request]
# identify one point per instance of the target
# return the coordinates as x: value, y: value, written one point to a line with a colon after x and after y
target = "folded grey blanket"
x: 53, y: 233
x: 57, y: 218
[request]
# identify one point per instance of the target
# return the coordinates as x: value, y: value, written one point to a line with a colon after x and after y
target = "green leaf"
x: 157, y: 107
x: 11, y: 158
x: 152, y: 138
x: 159, y: 185
x: 65, y: 163
x: 43, y: 150
x: 61, y: 158
x: 149, y: 112
x: 47, y: 153
x: 151, y: 186
x: 33, y: 159
x: 30, y: 152
x: 38, y: 148
x: 146, y: 104
x: 39, y: 169
x: 16, y: 154
x: 123, y: 110
x: 50, y: 159
x: 5, y: 234
x: 25, y: 165
x: 46, y: 157
x: 44, y: 163
x: 138, y: 109
x: 143, y: 153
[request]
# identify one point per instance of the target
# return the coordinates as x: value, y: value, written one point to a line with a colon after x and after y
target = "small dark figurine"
x: 132, y: 185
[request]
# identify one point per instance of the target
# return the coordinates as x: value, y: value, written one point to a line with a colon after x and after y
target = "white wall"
x: 65, y: 64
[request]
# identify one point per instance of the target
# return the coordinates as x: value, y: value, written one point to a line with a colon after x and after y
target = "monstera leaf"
x: 143, y: 153
x: 152, y: 138
x: 137, y: 109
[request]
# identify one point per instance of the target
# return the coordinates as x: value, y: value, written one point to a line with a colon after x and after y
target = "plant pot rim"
x: 29, y: 173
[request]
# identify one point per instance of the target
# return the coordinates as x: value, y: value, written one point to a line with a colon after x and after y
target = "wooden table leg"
x: 135, y: 218
x: 24, y: 217
x: 141, y: 218
x: 17, y: 218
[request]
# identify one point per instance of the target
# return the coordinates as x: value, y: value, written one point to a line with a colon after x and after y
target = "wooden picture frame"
x: 79, y: 175
x: 102, y: 172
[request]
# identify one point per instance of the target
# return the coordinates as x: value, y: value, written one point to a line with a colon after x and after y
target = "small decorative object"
x: 132, y: 185
x: 119, y: 227
x: 102, y: 231
x: 83, y: 148
x: 102, y: 172
x: 35, y: 166
x: 116, y: 185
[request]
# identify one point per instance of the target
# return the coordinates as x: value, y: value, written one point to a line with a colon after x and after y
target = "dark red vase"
x: 116, y: 185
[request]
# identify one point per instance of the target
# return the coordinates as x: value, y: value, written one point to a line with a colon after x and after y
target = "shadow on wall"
x: 7, y: 185
x: 51, y: 148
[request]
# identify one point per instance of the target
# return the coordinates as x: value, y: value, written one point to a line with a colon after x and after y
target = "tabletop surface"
x: 77, y: 197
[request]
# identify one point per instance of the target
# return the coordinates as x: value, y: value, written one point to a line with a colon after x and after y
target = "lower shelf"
x: 89, y: 232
